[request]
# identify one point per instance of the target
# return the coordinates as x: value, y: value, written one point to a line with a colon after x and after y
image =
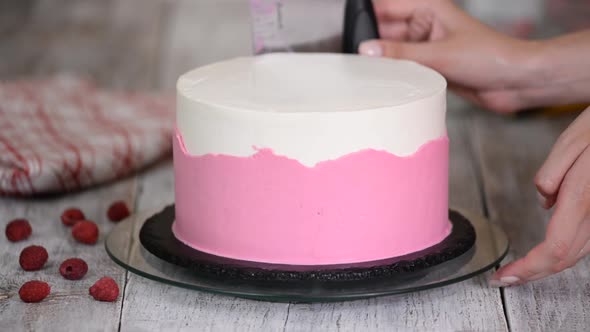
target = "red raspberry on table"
x: 73, y: 268
x: 118, y: 211
x: 71, y: 216
x: 34, y: 291
x: 32, y: 258
x: 85, y: 231
x: 18, y: 230
x: 105, y: 289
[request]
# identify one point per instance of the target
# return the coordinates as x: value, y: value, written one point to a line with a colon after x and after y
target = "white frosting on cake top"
x: 310, y: 107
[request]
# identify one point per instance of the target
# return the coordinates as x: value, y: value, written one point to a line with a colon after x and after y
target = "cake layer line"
x: 310, y: 138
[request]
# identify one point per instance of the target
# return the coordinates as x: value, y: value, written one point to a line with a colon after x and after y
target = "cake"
x: 311, y: 159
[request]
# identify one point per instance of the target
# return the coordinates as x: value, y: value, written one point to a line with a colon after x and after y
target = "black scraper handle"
x: 360, y: 24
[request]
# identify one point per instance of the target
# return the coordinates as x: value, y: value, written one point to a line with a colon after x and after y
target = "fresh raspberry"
x: 18, y: 230
x: 34, y: 291
x: 73, y: 268
x: 118, y: 211
x: 71, y: 216
x: 32, y: 258
x: 105, y: 289
x: 85, y: 232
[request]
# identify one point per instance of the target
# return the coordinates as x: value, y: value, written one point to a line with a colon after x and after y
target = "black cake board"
x: 157, y: 238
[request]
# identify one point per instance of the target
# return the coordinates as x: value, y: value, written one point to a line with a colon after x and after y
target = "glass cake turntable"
x: 146, y: 246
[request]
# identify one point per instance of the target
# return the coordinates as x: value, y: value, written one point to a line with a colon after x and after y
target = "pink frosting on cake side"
x: 364, y: 206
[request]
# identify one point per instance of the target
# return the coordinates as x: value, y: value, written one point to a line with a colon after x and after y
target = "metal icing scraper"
x: 311, y: 25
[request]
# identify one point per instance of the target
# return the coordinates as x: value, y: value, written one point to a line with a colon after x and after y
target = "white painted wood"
x: 82, y: 37
x: 150, y: 305
x: 134, y: 40
x: 69, y: 307
x: 158, y: 307
x: 511, y: 151
x: 106, y: 41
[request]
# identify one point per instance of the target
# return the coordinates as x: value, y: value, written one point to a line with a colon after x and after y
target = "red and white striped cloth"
x: 64, y: 134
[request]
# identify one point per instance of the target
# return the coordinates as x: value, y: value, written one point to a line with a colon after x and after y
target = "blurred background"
x: 147, y: 44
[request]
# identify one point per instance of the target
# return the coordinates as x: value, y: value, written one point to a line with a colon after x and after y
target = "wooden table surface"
x: 146, y: 44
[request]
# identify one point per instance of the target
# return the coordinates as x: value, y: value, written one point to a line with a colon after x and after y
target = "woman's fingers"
x: 467, y: 93
x: 539, y: 276
x: 580, y: 248
x: 566, y: 150
x: 408, y: 20
x: 584, y: 251
x: 499, y: 101
x: 539, y: 260
x: 420, y: 26
x: 395, y: 10
x: 397, y: 31
x: 546, y: 200
x: 572, y: 204
x: 567, y: 234
x: 430, y: 54
x: 577, y: 247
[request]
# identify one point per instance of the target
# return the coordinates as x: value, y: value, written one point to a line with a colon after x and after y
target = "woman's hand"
x: 505, y: 75
x: 564, y: 182
x: 493, y: 70
x: 480, y: 64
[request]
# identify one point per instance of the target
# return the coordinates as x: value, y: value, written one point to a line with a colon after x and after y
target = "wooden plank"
x: 106, y: 41
x: 57, y: 36
x: 133, y: 45
x: 466, y: 306
x: 201, y: 32
x: 69, y: 306
x: 14, y: 15
x: 511, y: 151
x: 150, y: 305
x: 17, y: 52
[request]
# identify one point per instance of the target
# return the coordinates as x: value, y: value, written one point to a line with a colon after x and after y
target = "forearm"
x: 560, y: 70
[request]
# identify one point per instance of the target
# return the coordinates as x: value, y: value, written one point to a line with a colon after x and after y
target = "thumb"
x: 423, y: 53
